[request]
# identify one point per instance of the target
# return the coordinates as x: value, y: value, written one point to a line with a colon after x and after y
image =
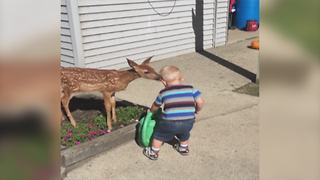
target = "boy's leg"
x: 156, y: 143
x: 153, y: 152
x: 184, y: 142
x: 182, y: 147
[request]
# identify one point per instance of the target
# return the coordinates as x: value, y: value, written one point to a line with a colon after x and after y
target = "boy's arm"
x: 154, y: 107
x: 199, y: 104
x: 156, y: 104
x: 199, y: 101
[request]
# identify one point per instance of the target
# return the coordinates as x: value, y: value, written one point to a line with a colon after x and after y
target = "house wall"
x: 221, y: 25
x: 112, y: 30
x: 67, y: 57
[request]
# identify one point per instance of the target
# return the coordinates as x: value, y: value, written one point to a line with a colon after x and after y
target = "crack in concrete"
x: 228, y: 112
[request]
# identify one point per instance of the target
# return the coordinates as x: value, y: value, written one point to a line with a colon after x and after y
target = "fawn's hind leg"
x: 113, y: 107
x: 65, y: 103
x: 107, y: 105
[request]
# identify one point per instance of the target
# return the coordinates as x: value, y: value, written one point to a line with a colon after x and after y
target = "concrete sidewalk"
x: 236, y: 35
x: 224, y: 142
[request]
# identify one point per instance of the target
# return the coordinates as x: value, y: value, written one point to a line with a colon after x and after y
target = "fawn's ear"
x: 131, y: 63
x: 147, y: 61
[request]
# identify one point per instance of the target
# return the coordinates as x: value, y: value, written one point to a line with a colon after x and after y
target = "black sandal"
x: 149, y: 153
x: 182, y: 150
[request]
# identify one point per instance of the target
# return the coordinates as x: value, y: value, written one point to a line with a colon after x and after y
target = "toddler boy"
x: 180, y: 104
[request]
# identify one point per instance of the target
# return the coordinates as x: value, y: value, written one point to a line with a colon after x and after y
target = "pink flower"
x: 70, y: 131
x: 78, y: 142
x: 92, y: 133
x: 101, y: 132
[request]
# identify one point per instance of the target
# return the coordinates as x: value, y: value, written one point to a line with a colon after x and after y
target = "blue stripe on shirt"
x: 158, y: 101
x: 196, y: 94
x: 177, y: 96
x: 178, y: 114
x: 179, y: 111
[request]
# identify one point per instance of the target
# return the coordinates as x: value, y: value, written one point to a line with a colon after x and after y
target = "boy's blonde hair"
x: 170, y: 73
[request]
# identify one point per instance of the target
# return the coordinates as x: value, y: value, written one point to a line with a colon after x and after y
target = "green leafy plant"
x: 126, y: 114
x: 86, y: 131
x: 100, y: 121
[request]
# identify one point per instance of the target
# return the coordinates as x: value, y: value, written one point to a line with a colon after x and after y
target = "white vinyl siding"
x: 67, y: 58
x: 113, y: 30
x: 221, y: 25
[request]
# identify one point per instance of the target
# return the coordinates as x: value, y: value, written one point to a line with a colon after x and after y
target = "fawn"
x: 108, y: 82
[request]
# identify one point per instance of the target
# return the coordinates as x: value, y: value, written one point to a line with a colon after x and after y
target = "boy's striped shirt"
x: 178, y: 102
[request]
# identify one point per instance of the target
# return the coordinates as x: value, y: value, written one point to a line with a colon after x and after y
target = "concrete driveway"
x: 224, y: 141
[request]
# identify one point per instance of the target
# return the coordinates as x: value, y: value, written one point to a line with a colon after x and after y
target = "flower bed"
x: 87, y: 130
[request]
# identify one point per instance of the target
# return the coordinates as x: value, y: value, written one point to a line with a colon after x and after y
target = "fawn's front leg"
x: 107, y: 105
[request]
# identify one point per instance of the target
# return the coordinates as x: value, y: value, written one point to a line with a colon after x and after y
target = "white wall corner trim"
x: 73, y: 14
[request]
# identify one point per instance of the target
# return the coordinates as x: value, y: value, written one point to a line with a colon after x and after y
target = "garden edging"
x: 72, y: 155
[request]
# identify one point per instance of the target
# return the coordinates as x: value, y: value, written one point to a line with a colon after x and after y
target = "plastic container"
x: 246, y: 10
x: 252, y: 25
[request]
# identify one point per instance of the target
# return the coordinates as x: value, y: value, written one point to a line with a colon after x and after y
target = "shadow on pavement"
x: 197, y: 24
x: 235, y: 68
